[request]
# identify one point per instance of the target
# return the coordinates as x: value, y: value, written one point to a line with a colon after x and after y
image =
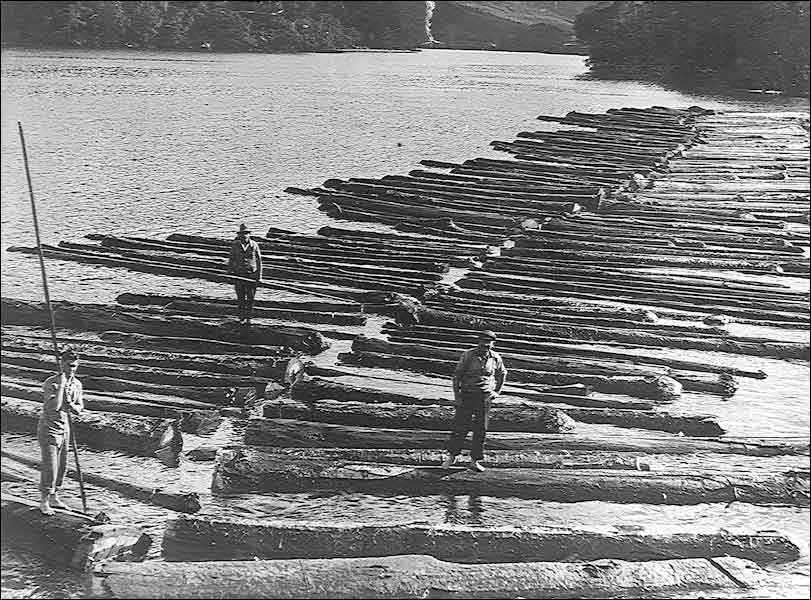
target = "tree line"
x: 242, y: 26
x: 762, y: 45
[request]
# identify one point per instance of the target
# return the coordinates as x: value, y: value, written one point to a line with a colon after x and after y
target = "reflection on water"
x: 147, y: 143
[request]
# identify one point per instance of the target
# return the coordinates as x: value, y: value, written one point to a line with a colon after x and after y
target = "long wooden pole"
x: 50, y: 311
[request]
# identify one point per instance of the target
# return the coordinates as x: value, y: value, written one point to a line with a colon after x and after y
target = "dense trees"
x: 260, y: 26
x: 747, y: 44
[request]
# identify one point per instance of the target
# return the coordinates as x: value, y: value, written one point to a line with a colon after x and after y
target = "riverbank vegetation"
x: 241, y: 26
x: 762, y: 45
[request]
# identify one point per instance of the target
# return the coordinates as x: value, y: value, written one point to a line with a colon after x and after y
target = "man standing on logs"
x: 477, y: 381
x: 245, y: 261
x: 62, y: 392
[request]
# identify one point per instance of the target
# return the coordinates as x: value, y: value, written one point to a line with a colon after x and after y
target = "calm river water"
x: 143, y: 143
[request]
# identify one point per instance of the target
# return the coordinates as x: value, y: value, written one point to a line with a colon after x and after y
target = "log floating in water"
x: 311, y: 305
x: 200, y: 420
x: 73, y: 538
x: 284, y: 474
x: 418, y: 576
x: 95, y: 317
x: 197, y: 538
x: 194, y: 345
x: 309, y: 434
x: 187, y: 502
x: 143, y: 436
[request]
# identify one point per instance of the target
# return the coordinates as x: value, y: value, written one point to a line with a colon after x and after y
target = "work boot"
x: 477, y: 466
x: 450, y: 460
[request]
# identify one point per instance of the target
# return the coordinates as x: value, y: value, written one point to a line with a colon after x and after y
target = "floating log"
x: 512, y: 417
x: 498, y: 459
x: 204, y: 308
x: 200, y: 420
x: 95, y: 317
x: 72, y: 538
x: 232, y: 364
x: 309, y: 434
x: 139, y: 435
x: 194, y: 345
x: 330, y: 402
x: 312, y: 305
x: 200, y: 539
x: 418, y: 576
x: 284, y: 474
x: 186, y: 502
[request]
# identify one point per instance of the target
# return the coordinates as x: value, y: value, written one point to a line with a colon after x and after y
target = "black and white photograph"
x: 405, y: 299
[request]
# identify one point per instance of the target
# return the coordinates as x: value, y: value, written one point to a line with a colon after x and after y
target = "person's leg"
x: 461, y: 427
x: 47, y: 475
x: 240, y: 289
x: 59, y: 476
x: 480, y: 418
x: 250, y: 293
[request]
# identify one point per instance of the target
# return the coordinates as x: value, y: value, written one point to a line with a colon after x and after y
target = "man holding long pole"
x: 63, y: 393
x: 54, y: 456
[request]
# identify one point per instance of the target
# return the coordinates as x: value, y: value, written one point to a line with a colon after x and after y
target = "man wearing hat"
x: 478, y: 379
x: 245, y: 261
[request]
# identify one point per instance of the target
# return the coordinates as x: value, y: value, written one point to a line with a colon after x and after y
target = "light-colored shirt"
x: 480, y: 373
x: 53, y: 421
x: 245, y: 258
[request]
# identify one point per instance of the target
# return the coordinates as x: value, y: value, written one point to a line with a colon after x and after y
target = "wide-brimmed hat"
x: 487, y: 335
x: 243, y: 229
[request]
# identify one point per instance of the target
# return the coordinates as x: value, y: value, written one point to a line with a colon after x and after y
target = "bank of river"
x: 149, y: 144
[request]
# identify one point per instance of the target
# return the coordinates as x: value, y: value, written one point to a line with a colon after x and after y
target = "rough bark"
x: 284, y: 474
x: 196, y: 538
x: 420, y: 577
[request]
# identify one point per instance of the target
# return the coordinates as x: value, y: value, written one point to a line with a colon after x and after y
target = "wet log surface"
x: 418, y: 576
x: 72, y: 538
x: 276, y: 474
x: 248, y: 538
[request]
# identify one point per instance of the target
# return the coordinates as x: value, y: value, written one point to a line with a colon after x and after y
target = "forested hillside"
x: 744, y: 44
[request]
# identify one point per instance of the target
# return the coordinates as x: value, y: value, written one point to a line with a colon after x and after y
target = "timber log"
x: 72, y: 538
x: 201, y: 539
x: 418, y: 576
x: 143, y: 436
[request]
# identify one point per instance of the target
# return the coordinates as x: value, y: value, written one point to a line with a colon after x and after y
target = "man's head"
x: 486, y: 339
x: 244, y: 234
x: 69, y: 361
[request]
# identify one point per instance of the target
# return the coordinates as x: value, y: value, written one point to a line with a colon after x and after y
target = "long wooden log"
x: 195, y: 420
x: 194, y: 345
x: 308, y: 434
x: 234, y: 364
x: 139, y: 435
x: 512, y: 417
x: 311, y: 305
x: 72, y: 538
x: 418, y: 576
x: 204, y: 308
x: 96, y: 317
x: 288, y: 475
x: 496, y: 459
x: 197, y: 538
x: 186, y: 502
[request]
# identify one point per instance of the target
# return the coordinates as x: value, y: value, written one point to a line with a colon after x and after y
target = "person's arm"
x: 53, y: 398
x: 457, y: 378
x: 501, y: 375
x: 258, y: 262
x: 232, y: 258
x: 78, y: 405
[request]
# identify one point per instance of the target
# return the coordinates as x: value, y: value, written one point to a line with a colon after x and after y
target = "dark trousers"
x: 245, y: 295
x: 54, y: 462
x: 472, y: 413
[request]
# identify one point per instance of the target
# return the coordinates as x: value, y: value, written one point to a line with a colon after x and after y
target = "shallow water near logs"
x: 146, y: 143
